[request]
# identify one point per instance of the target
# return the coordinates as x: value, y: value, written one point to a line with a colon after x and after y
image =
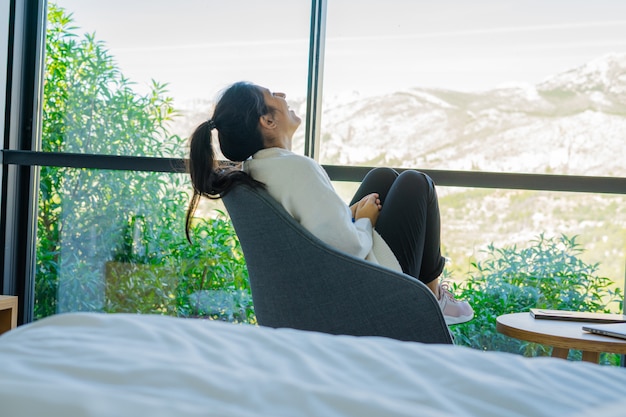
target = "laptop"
x: 542, y: 313
x: 613, y: 329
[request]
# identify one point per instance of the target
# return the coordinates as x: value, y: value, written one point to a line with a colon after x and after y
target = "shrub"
x: 115, y: 240
x: 155, y: 270
x: 548, y: 274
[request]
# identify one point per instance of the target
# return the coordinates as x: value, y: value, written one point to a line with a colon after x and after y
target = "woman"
x: 256, y: 127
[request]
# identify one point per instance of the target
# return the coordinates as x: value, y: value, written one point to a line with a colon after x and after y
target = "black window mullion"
x: 91, y: 161
x: 22, y: 127
x: 315, y: 85
x: 474, y: 179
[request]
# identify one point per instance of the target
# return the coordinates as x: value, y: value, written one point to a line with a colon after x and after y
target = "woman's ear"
x: 268, y: 126
x: 267, y: 121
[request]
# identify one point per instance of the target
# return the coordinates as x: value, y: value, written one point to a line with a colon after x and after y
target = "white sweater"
x: 303, y: 188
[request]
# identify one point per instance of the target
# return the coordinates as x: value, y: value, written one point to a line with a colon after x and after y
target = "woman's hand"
x: 368, y: 207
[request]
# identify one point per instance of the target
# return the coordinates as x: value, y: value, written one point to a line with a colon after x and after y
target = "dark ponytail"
x: 236, y: 119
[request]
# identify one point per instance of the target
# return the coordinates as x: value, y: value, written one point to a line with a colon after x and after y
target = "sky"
x: 200, y: 46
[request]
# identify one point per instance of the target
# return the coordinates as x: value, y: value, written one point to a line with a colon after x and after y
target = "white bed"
x: 87, y: 364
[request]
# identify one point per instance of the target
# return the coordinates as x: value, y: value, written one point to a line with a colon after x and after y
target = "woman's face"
x: 286, y: 119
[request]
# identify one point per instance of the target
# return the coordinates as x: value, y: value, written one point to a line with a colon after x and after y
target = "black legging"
x: 409, y: 220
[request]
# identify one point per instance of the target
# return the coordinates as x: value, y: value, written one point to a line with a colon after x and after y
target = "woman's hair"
x: 236, y: 119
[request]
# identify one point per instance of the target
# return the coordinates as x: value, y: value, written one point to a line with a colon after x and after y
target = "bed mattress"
x: 90, y: 364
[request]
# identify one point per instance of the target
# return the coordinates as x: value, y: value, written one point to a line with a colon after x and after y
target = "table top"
x: 557, y: 333
x: 8, y: 301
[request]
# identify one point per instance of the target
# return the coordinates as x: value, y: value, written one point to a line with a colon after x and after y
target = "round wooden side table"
x: 561, y: 335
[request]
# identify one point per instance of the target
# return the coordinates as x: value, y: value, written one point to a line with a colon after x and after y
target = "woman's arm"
x: 302, y: 186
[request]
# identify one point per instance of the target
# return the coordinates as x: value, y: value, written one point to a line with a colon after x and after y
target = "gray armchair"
x: 300, y: 282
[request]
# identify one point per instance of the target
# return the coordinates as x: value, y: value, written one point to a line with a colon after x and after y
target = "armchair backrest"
x: 300, y: 282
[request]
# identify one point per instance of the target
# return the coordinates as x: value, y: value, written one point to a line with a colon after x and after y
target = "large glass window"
x: 114, y: 241
x: 487, y: 86
x: 531, y: 87
x: 186, y: 52
x: 134, y: 79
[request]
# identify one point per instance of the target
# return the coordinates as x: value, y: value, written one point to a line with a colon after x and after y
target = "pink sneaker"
x: 454, y: 311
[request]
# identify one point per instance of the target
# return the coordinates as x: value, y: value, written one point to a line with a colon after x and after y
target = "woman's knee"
x: 378, y: 180
x: 382, y: 174
x: 415, y: 181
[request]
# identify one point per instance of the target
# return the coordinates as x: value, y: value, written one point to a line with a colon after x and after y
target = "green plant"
x: 155, y: 271
x: 216, y: 280
x: 115, y: 240
x: 547, y: 274
x: 89, y: 107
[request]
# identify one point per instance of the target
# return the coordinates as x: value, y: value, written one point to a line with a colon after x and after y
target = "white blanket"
x: 87, y: 364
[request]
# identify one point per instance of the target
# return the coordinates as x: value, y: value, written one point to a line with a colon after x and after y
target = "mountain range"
x: 571, y: 123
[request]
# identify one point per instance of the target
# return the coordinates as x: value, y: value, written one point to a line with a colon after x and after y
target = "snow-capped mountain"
x: 571, y: 123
